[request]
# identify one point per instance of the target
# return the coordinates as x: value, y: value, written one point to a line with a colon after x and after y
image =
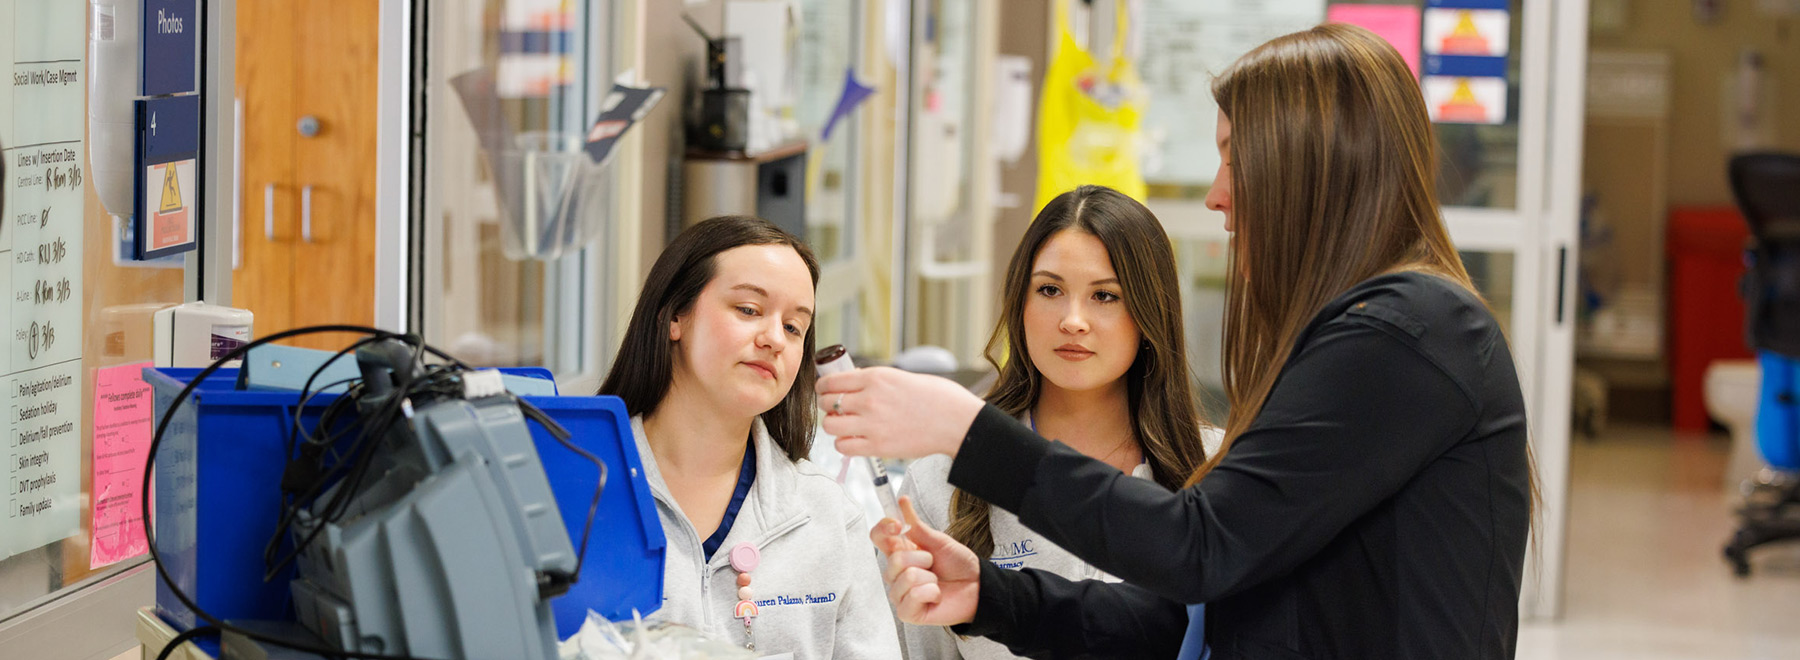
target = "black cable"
x: 445, y: 382
x: 306, y: 390
x: 183, y: 637
x: 363, y: 457
x: 361, y: 452
x: 291, y: 506
x: 162, y: 427
x: 387, y: 417
x: 327, y: 419
x: 562, y: 436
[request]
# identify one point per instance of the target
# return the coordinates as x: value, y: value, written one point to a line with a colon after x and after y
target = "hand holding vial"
x: 882, y: 411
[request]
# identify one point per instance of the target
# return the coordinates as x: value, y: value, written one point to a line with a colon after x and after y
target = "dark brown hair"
x: 644, y: 369
x: 1158, y: 384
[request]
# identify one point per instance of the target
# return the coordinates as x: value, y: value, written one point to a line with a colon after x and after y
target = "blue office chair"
x: 1767, y: 187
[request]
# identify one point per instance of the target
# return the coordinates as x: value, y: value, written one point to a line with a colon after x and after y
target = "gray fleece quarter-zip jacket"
x: 818, y: 587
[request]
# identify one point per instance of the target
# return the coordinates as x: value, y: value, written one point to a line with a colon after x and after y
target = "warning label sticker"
x: 1475, y: 32
x: 171, y: 223
x: 171, y: 191
x: 1453, y: 100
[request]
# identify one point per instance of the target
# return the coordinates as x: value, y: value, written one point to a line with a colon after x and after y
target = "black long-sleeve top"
x: 1377, y: 507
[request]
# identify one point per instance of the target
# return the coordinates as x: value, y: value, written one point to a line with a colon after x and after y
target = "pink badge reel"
x: 744, y: 557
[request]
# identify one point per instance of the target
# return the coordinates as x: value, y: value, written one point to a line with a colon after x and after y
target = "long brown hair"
x: 1158, y: 385
x: 1332, y: 182
x: 644, y: 369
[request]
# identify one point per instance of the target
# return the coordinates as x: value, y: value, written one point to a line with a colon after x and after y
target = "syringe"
x: 836, y: 359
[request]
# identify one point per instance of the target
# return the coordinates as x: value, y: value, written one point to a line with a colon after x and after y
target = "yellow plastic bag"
x: 1088, y: 117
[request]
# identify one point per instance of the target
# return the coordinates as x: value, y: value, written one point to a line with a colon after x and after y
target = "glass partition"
x: 79, y: 326
x: 511, y: 276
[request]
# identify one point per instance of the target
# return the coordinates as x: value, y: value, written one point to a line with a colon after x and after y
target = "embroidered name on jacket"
x: 804, y: 599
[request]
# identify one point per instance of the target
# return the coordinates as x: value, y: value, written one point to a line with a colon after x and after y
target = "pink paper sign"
x: 123, y: 409
x: 1398, y: 24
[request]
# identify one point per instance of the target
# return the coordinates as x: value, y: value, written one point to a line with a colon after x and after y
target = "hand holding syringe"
x: 835, y: 359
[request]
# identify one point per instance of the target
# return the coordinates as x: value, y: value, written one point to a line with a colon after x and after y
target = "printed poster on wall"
x: 124, y: 414
x: 43, y: 108
x: 1475, y: 32
x: 1398, y: 24
x: 1467, y: 45
x: 1453, y: 100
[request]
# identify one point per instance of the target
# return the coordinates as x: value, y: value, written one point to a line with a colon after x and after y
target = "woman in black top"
x: 1374, y: 493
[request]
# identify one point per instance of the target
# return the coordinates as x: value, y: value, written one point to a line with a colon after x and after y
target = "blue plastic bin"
x: 220, y: 464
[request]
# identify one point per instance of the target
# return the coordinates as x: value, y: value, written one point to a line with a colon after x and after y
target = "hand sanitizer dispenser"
x: 113, y: 44
x: 194, y: 334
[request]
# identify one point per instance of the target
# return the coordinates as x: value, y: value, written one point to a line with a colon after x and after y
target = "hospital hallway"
x: 1649, y: 512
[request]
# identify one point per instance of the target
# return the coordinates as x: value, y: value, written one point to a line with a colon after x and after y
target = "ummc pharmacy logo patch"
x: 1011, y: 556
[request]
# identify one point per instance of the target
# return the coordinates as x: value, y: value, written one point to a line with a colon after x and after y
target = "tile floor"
x: 1649, y: 512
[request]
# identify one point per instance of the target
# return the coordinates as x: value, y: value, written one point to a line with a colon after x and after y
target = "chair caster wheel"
x: 1738, y: 557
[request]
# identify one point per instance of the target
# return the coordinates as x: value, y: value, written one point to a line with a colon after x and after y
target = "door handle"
x: 237, y: 180
x: 306, y: 214
x: 1562, y: 280
x: 269, y: 212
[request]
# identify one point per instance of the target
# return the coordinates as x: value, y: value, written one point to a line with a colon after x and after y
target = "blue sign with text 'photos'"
x: 170, y: 38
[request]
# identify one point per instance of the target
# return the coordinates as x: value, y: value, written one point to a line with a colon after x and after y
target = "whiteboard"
x: 1185, y: 44
x: 41, y: 247
x: 65, y: 307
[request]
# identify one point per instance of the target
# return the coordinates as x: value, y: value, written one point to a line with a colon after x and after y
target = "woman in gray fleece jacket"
x: 1090, y: 352
x: 764, y: 550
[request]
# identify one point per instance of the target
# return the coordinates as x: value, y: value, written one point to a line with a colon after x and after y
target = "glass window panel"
x: 1493, y: 276
x: 840, y: 324
x: 940, y: 211
x: 63, y: 274
x: 1184, y: 44
x: 943, y: 155
x: 827, y: 51
x: 512, y: 87
x: 1478, y: 164
x: 942, y: 218
x: 1202, y: 266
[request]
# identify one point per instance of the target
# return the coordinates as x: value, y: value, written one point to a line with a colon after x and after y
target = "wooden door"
x: 334, y: 262
x: 266, y: 69
x: 307, y: 74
